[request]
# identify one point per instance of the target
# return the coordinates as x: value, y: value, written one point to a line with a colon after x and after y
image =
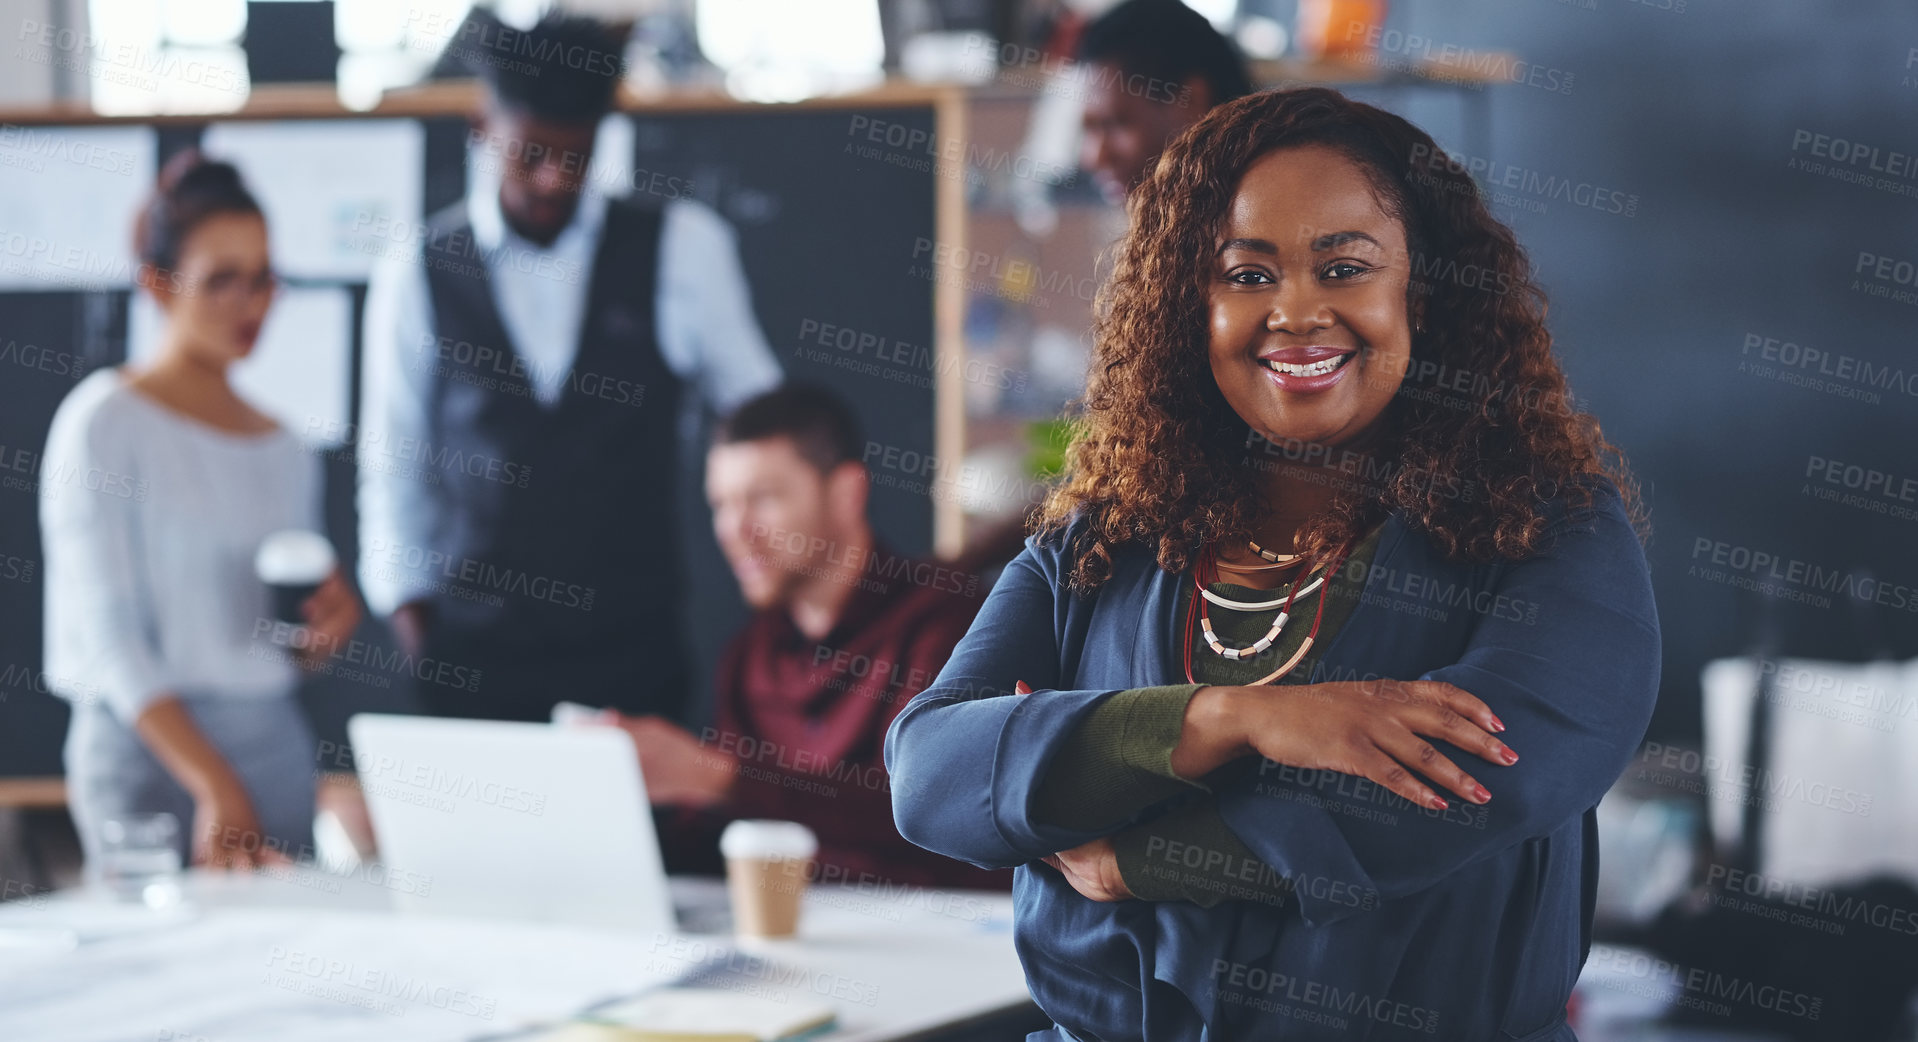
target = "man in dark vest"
x: 525, y: 369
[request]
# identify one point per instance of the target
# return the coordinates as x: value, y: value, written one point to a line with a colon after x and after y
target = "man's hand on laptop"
x: 678, y: 768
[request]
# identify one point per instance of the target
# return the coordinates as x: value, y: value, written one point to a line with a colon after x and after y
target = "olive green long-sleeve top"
x: 1119, y: 761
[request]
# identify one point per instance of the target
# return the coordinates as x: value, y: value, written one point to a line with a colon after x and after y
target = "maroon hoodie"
x: 807, y: 720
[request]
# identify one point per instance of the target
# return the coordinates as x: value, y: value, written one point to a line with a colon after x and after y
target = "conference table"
x: 296, y: 954
x: 299, y: 955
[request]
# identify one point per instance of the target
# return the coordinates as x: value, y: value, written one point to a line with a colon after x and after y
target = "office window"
x: 776, y: 50
x: 385, y: 44
x: 175, y: 56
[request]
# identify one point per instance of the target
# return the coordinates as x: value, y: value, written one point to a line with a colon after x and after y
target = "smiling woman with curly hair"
x: 1332, y: 531
x: 1164, y: 452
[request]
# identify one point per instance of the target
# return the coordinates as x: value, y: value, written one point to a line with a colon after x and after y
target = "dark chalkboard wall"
x: 1696, y: 107
x: 50, y: 340
x: 823, y: 235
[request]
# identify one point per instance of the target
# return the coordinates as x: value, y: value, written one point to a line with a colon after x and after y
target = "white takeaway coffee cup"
x: 767, y: 865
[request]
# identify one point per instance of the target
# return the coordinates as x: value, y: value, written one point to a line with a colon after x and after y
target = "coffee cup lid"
x: 760, y: 838
x: 294, y: 555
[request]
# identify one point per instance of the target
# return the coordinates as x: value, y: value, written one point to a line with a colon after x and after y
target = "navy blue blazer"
x: 1406, y: 922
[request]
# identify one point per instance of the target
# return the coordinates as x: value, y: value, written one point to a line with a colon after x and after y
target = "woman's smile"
x: 1307, y: 370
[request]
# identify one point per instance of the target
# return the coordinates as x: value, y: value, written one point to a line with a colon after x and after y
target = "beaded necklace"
x: 1208, y: 567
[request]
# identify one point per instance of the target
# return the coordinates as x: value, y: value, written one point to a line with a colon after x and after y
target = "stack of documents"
x: 697, y: 1015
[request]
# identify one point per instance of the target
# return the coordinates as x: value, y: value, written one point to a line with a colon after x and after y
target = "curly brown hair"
x: 1160, y: 458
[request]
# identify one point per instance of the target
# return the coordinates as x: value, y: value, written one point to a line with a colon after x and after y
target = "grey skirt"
x: 111, y: 772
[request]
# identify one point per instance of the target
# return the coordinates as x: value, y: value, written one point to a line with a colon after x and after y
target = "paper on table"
x: 318, y: 975
x: 68, y: 199
x: 713, y: 1013
x: 338, y: 194
x: 299, y: 370
x: 37, y: 922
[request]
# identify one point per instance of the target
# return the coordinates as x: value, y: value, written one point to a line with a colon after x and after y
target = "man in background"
x: 523, y: 387
x: 1151, y: 69
x: 1146, y: 70
x: 845, y: 633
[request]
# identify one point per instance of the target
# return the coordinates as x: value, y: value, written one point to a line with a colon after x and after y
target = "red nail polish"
x: 1497, y: 724
x: 1479, y: 791
x: 1438, y: 803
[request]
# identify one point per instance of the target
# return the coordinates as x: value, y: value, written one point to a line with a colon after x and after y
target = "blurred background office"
x: 1721, y: 199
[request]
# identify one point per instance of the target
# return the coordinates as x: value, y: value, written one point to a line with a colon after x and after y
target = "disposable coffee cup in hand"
x: 293, y: 563
x: 767, y: 864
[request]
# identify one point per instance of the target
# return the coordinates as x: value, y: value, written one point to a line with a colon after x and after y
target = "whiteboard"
x: 337, y: 193
x: 68, y: 200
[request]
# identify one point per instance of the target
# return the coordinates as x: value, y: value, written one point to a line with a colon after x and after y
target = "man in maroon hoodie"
x: 844, y: 633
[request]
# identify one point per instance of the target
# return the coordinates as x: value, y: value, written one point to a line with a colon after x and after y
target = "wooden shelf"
x: 44, y: 793
x: 457, y: 98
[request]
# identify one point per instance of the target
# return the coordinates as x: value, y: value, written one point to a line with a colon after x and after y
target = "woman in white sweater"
x: 158, y: 485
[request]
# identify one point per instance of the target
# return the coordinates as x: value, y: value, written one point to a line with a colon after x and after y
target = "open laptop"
x: 513, y: 821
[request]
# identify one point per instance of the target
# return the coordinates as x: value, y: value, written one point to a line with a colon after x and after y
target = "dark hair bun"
x: 191, y: 189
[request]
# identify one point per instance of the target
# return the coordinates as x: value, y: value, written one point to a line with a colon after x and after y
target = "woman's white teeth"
x: 1318, y: 368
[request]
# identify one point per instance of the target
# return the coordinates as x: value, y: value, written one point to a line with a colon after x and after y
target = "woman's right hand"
x: 1373, y: 729
x: 227, y: 833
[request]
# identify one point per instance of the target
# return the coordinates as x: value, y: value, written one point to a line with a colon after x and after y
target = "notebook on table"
x: 697, y: 1015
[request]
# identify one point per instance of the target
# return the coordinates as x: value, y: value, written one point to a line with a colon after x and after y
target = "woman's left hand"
x: 1093, y: 870
x: 332, y: 613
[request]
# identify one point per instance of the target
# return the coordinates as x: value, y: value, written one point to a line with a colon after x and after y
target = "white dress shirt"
x: 150, y: 522
x: 703, y: 324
